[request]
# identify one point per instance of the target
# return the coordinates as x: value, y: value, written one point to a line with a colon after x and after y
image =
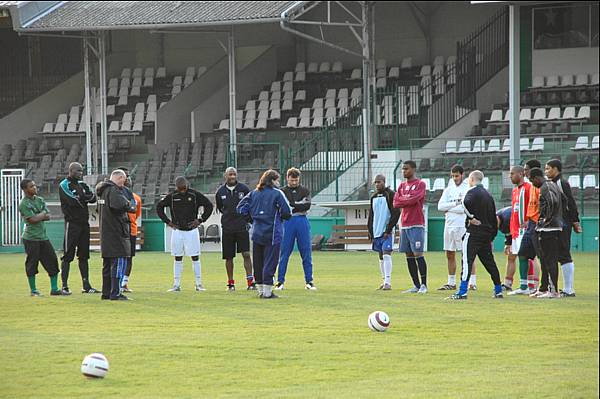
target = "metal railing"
x: 328, y: 153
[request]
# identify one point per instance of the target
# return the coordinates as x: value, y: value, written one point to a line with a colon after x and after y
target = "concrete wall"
x: 398, y: 35
x: 565, y: 61
x: 30, y: 118
x: 250, y: 81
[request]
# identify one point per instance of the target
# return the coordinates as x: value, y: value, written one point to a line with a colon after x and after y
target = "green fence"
x: 154, y: 234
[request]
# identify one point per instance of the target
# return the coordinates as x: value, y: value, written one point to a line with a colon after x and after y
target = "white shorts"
x: 516, y: 242
x: 453, y: 237
x: 185, y: 243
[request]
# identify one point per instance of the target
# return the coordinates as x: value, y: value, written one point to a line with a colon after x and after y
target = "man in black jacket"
x: 482, y: 227
x: 75, y: 196
x: 549, y: 228
x: 184, y: 204
x: 570, y: 222
x: 115, y: 244
x: 296, y: 230
x: 234, y: 227
x: 382, y: 221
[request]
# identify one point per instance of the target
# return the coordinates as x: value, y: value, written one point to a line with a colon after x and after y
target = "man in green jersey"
x: 38, y: 248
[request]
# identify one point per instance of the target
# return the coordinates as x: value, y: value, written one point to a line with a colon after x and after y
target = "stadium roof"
x: 113, y: 15
x: 6, y: 4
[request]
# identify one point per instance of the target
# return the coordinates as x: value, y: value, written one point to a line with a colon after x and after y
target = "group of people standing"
x: 538, y: 224
x: 260, y: 213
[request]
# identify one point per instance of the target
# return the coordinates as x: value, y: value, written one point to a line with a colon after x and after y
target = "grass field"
x: 305, y: 344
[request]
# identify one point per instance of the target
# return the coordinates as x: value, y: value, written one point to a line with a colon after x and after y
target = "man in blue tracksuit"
x: 267, y: 207
x: 297, y: 229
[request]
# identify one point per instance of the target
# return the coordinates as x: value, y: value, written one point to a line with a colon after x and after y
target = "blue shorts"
x: 412, y: 240
x: 383, y: 244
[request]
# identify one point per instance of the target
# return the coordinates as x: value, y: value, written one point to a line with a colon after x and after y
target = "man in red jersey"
x: 410, y: 197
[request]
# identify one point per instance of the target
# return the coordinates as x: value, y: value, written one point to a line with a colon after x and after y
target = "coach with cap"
x: 115, y: 243
x: 75, y: 196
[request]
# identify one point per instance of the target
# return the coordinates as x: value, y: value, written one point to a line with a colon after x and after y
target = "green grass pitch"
x: 305, y: 344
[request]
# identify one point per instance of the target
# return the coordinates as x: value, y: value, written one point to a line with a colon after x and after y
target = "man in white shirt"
x: 454, y: 228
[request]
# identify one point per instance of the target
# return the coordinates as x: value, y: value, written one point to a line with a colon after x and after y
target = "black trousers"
x: 133, y: 240
x: 112, y: 271
x: 76, y: 241
x: 564, y: 253
x: 550, y: 248
x: 40, y: 251
x: 475, y: 245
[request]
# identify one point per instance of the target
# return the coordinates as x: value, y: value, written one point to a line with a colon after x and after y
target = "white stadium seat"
x: 581, y: 143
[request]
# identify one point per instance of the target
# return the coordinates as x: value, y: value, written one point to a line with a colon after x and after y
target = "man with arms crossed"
x: 75, y: 196
x: 234, y: 227
x: 454, y: 227
x: 410, y: 197
x: 383, y: 218
x: 184, y: 204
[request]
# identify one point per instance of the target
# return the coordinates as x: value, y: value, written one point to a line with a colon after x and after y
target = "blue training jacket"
x: 267, y: 208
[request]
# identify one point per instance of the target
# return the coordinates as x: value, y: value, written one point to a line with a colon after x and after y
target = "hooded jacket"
x: 114, y: 222
x: 74, y: 197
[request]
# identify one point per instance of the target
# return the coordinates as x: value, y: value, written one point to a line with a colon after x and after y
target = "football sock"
x: 473, y: 280
x: 508, y: 282
x: 267, y: 290
x: 452, y: 279
x: 54, y: 282
x: 387, y: 269
x: 523, y: 270
x: 124, y: 281
x: 31, y: 281
x: 414, y: 271
x: 250, y: 280
x: 381, y: 270
x: 177, y: 269
x: 531, y: 275
x: 197, y: 271
x: 568, y: 271
x: 422, y: 269
x: 230, y: 282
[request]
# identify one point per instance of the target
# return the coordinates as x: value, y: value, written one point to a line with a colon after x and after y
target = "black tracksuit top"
x: 184, y: 208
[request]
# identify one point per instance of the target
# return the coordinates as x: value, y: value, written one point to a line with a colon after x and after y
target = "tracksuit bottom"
x: 76, y: 241
x: 264, y: 261
x: 549, y: 248
x: 297, y: 229
x: 475, y: 245
x: 113, y: 270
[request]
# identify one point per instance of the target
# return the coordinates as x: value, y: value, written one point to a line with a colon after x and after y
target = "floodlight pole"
x: 232, y: 100
x: 102, y: 90
x: 87, y: 107
x: 514, y: 85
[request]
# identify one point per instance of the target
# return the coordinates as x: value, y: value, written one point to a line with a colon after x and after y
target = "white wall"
x: 565, y: 61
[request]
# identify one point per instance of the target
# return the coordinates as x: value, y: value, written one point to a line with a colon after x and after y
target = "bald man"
x: 75, y: 196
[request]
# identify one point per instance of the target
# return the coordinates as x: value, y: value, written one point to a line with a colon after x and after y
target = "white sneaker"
x: 412, y: 290
x: 175, y: 288
x: 278, y: 286
x: 423, y: 289
x: 200, y: 287
x: 519, y: 291
x: 310, y: 286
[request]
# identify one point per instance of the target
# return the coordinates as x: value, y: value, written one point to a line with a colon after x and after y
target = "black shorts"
x: 40, y: 251
x: 133, y: 240
x: 231, y: 241
x: 77, y: 237
x: 527, y: 248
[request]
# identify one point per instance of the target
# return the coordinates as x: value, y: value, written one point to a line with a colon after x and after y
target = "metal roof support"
x: 232, y: 100
x: 90, y: 167
x: 102, y: 93
x: 514, y: 85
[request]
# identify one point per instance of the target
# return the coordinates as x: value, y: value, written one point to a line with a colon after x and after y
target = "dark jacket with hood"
x: 114, y: 222
x: 74, y: 197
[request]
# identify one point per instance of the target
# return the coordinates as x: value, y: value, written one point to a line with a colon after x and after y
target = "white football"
x: 94, y: 365
x: 379, y: 321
